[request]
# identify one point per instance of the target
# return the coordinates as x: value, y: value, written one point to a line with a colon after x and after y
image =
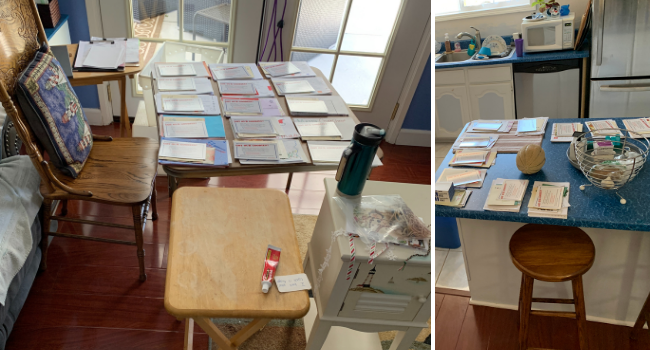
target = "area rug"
x: 148, y: 28
x: 290, y: 334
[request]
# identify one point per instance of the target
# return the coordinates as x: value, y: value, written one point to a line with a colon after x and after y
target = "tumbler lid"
x: 368, y: 134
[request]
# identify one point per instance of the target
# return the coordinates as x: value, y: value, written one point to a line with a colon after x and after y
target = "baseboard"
x: 413, y: 137
x: 456, y: 292
x: 515, y: 307
x: 94, y: 116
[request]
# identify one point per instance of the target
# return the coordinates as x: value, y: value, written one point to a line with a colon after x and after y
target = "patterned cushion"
x: 54, y: 113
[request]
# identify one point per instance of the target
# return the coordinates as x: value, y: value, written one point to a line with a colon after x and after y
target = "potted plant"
x: 551, y: 7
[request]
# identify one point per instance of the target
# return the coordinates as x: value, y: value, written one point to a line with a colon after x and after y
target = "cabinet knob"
x: 422, y: 299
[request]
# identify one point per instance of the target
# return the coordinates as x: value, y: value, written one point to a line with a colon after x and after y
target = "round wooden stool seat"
x: 552, y: 253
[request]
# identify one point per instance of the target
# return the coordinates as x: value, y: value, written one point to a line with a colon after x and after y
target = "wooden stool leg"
x: 137, y: 223
x: 642, y: 319
x: 526, y: 295
x: 581, y: 316
x: 189, y: 334
x: 154, y: 202
x: 45, y: 228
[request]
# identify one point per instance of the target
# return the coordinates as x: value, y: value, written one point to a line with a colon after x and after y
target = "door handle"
x: 599, y: 35
x: 625, y: 88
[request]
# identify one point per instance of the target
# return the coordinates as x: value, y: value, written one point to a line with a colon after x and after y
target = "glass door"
x: 349, y: 41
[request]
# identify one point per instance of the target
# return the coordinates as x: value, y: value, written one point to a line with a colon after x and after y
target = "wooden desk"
x: 96, y: 78
x: 217, y: 244
x: 237, y: 169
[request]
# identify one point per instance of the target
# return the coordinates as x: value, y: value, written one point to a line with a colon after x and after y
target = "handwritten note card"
x: 292, y: 283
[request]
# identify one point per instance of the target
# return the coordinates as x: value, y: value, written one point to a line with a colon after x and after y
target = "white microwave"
x: 549, y: 34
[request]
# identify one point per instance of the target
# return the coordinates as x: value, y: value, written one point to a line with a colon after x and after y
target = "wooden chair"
x: 118, y: 172
x: 551, y: 254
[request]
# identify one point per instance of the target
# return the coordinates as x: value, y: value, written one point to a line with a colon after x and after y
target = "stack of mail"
x: 476, y: 141
x: 603, y: 128
x: 458, y: 200
x: 291, y: 153
x: 187, y: 104
x: 531, y: 126
x: 301, y: 86
x: 563, y: 132
x: 263, y: 127
x: 317, y: 106
x: 300, y: 69
x: 491, y: 126
x: 549, y: 200
x: 474, y: 158
x: 184, y: 85
x: 506, y: 195
x: 234, y: 71
x: 463, y: 177
x: 212, y: 153
x: 641, y: 127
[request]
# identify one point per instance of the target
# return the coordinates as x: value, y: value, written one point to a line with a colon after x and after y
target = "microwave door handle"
x: 625, y: 88
x: 600, y: 20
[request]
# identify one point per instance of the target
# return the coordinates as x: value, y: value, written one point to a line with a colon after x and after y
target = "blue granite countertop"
x: 593, y: 207
x: 528, y: 57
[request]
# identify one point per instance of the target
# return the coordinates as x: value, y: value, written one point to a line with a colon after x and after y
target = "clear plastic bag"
x: 382, y: 219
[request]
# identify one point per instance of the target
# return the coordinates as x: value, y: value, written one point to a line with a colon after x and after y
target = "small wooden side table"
x: 217, y: 245
x: 376, y: 297
x: 96, y: 78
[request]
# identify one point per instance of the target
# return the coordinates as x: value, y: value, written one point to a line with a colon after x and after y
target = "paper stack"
x: 464, y: 177
x: 316, y: 106
x: 602, y: 128
x: 292, y: 153
x: 506, y: 195
x: 549, y: 200
x: 187, y: 104
x: 100, y: 55
x: 241, y: 88
x: 180, y: 69
x: 301, y: 86
x: 474, y: 158
x: 267, y: 107
x: 281, y: 67
x: 458, y: 200
x: 477, y: 141
x: 263, y: 127
x: 563, y: 132
x: 330, y: 152
x: 344, y: 125
x: 641, y: 127
x: 212, y: 153
x: 183, y: 126
x: 315, y: 130
x: 491, y: 126
x: 234, y: 71
x: 184, y: 85
x: 531, y: 126
x: 131, y: 45
x: 259, y: 150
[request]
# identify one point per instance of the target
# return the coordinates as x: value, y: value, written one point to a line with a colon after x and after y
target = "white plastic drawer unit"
x: 381, y: 291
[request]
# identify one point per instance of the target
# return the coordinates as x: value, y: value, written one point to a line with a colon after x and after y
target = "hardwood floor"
x: 461, y: 326
x: 90, y: 297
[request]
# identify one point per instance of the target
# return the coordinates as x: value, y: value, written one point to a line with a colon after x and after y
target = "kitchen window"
x: 446, y: 10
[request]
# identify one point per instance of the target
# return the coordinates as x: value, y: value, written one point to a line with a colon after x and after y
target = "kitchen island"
x: 619, y: 281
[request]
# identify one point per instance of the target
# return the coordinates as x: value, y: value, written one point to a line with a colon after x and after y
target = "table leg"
x: 125, y: 124
x: 404, y: 339
x: 253, y: 327
x: 189, y: 334
x: 286, y: 190
x: 172, y: 184
x: 241, y: 336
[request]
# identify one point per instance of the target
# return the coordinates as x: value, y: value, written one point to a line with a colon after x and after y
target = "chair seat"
x: 552, y: 253
x: 119, y: 171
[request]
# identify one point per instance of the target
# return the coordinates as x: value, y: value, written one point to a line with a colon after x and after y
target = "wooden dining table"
x: 96, y: 78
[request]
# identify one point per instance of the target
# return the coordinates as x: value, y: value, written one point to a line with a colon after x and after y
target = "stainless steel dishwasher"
x: 547, y: 89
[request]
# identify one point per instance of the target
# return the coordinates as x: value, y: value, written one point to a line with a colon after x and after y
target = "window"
x: 454, y: 9
x: 204, y: 22
x: 349, y: 41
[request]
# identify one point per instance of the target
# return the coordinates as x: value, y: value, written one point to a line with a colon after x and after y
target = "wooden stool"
x: 551, y: 254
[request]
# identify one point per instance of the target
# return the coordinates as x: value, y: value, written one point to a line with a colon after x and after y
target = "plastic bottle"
x: 447, y: 43
x: 519, y: 46
x: 472, y: 48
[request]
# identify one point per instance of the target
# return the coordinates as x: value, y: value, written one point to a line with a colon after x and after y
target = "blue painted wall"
x: 78, y: 24
x: 419, y: 114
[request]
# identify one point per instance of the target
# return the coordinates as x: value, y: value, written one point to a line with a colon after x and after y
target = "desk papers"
x: 563, y: 132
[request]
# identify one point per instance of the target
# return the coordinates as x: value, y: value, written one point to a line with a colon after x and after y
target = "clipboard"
x: 90, y: 69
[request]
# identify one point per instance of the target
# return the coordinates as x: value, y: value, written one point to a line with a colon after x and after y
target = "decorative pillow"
x: 54, y: 113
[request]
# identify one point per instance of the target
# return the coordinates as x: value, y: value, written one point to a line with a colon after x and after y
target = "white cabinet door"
x: 452, y: 112
x: 492, y: 101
